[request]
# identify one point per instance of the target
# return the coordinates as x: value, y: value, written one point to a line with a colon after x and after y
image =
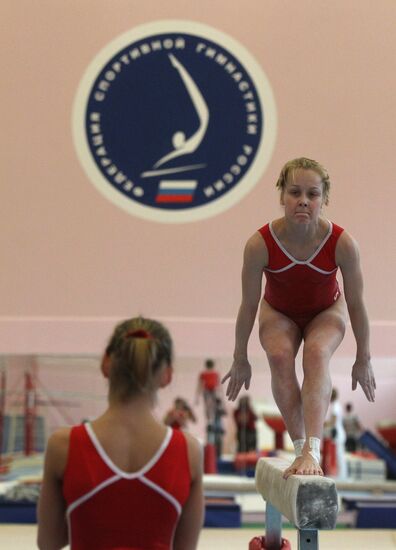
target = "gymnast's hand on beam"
x: 362, y: 373
x: 239, y: 374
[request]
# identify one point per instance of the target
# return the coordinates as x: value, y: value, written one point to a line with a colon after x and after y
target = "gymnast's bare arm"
x: 51, y: 512
x: 347, y: 257
x: 254, y: 260
x: 191, y: 520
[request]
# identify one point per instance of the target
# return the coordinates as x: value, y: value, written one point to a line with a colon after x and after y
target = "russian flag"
x: 176, y: 191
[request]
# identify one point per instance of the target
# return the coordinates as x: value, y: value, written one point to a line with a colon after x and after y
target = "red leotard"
x: 111, y: 509
x: 210, y: 380
x: 301, y: 289
x: 245, y: 418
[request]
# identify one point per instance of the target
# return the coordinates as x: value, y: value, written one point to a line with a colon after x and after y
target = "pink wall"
x: 73, y: 263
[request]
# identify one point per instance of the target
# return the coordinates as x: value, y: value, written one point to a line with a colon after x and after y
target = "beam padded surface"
x: 309, y: 502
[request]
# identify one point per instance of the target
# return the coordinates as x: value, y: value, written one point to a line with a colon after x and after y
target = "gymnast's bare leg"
x: 303, y: 409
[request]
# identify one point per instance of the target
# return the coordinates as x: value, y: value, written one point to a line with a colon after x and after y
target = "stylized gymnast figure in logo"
x: 183, y: 145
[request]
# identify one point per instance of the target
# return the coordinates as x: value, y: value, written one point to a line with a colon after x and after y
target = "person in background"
x: 245, y: 420
x: 208, y: 385
x: 353, y: 429
x: 179, y: 415
x: 334, y: 426
x: 124, y: 480
x: 217, y: 427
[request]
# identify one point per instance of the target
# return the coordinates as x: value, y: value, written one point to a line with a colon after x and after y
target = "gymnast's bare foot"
x: 292, y: 469
x: 309, y: 466
x: 304, y: 465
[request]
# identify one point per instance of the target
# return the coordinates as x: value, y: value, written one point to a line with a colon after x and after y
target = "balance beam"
x: 308, y: 502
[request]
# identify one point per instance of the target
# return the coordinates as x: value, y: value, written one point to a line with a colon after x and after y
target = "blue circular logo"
x: 174, y: 121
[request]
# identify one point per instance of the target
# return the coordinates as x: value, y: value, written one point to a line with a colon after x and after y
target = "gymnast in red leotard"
x: 299, y: 254
x: 124, y: 480
x: 290, y: 281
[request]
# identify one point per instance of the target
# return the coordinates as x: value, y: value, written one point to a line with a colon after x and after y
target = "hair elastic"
x: 138, y: 333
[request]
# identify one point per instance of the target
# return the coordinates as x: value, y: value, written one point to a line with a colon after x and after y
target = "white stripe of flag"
x: 178, y: 184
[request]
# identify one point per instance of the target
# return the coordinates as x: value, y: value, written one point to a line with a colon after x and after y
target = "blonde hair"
x: 304, y: 164
x: 137, y: 350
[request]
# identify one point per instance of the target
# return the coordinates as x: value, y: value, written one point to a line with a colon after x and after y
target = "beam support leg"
x: 307, y: 539
x: 273, y: 527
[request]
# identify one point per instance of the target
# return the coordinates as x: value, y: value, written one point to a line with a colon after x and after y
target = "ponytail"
x: 137, y: 350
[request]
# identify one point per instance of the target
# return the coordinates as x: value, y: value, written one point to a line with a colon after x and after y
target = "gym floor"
x: 23, y: 537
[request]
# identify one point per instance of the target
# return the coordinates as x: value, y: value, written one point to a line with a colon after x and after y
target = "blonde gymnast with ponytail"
x: 124, y: 480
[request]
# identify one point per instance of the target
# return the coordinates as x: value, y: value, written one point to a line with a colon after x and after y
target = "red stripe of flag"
x: 174, y: 198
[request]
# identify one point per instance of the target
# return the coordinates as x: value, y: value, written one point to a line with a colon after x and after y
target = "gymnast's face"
x: 303, y: 196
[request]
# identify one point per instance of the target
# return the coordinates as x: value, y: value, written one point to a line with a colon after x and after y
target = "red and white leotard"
x: 301, y: 289
x: 111, y: 509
